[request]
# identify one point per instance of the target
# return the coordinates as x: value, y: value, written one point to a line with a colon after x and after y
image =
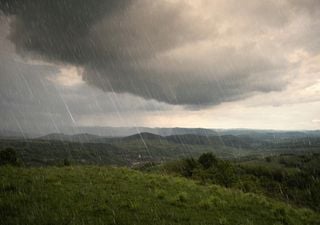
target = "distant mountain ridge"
x: 190, y: 139
x: 241, y: 141
x: 91, y: 133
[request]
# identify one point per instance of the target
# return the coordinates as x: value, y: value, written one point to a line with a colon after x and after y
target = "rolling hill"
x: 105, y: 195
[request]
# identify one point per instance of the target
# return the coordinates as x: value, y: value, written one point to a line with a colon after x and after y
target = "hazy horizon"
x: 162, y: 131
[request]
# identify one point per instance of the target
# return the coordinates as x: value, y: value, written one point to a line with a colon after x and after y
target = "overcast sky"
x: 162, y: 63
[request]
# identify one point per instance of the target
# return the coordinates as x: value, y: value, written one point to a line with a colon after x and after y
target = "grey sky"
x: 160, y: 63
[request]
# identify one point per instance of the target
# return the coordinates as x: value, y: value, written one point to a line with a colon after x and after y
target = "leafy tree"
x: 226, y: 174
x: 188, y: 167
x: 207, y: 160
x: 66, y: 162
x: 8, y: 156
x: 268, y: 159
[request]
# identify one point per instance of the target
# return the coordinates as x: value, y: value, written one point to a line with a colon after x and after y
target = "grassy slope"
x: 104, y: 195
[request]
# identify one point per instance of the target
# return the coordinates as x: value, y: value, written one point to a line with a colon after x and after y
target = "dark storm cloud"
x: 141, y: 47
x: 58, y: 30
x: 96, y: 32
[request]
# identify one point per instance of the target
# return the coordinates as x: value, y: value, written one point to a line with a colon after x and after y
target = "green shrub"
x: 179, y: 199
x: 66, y: 162
x: 205, y: 204
x: 8, y: 156
x: 223, y: 221
x: 182, y: 197
x: 268, y: 159
x: 207, y: 160
x: 160, y: 194
x: 188, y: 167
x: 216, y: 201
x: 282, y: 216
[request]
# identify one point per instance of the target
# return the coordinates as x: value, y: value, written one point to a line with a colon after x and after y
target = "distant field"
x: 105, y: 195
x: 129, y: 152
x: 143, y: 148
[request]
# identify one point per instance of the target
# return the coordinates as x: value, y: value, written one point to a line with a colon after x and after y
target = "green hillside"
x: 126, y: 151
x: 144, y: 148
x: 105, y: 195
x: 294, y: 179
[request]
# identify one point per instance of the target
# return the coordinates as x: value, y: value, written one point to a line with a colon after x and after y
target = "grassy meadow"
x: 109, y: 195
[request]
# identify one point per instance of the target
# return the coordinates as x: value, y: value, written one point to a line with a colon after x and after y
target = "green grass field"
x: 106, y: 195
